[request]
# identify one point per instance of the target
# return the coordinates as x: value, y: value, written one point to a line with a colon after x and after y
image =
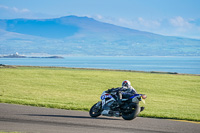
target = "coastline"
x: 153, y: 72
x: 16, y: 55
x: 180, y: 65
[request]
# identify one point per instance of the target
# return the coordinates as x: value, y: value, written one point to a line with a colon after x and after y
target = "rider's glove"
x: 108, y: 91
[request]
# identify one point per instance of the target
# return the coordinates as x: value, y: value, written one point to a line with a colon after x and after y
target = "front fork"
x: 99, y: 105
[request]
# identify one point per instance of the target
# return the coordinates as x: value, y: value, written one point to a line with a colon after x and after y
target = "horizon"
x: 179, y: 18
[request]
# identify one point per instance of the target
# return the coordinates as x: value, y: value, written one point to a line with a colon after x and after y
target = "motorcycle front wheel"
x: 95, y: 110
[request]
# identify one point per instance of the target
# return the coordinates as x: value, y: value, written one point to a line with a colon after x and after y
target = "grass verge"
x: 169, y: 95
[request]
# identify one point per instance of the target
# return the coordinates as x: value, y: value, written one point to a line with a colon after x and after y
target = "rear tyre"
x: 132, y: 114
x: 95, y: 110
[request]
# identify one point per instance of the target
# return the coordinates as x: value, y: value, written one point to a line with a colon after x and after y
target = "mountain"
x: 72, y: 35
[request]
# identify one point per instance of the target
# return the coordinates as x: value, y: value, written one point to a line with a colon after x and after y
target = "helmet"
x: 126, y: 83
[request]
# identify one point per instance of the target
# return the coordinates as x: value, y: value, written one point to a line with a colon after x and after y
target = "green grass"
x: 169, y: 96
x: 9, y: 132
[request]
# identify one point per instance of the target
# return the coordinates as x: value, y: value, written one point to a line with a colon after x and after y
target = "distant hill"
x: 72, y: 35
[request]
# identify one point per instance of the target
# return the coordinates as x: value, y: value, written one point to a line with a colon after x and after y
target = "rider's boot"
x: 141, y: 109
x: 107, y: 112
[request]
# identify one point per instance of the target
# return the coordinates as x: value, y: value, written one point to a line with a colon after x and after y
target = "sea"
x: 180, y: 64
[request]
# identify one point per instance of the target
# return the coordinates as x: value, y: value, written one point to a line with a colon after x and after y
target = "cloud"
x: 13, y: 9
x: 179, y: 22
x: 148, y: 23
x: 138, y: 23
x: 20, y: 10
x: 151, y: 24
x: 99, y: 17
x: 3, y: 7
x: 13, y: 12
x: 185, y: 27
x: 176, y: 26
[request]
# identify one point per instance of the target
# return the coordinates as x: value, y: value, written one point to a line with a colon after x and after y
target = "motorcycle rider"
x: 125, y: 91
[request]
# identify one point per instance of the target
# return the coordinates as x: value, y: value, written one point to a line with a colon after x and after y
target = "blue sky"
x: 166, y: 17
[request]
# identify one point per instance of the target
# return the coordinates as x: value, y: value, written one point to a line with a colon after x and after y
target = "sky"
x: 166, y: 17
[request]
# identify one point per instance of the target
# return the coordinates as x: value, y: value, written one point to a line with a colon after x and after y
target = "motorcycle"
x: 128, y: 108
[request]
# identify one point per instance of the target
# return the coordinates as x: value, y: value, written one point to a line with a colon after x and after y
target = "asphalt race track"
x: 27, y: 119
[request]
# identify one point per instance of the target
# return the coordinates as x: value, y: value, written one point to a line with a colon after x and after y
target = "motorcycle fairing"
x: 106, y: 98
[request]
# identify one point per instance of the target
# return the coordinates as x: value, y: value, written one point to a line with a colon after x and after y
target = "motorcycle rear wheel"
x: 95, y: 111
x: 131, y: 115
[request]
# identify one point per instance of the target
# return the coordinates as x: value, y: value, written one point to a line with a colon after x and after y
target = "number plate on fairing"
x: 105, y: 96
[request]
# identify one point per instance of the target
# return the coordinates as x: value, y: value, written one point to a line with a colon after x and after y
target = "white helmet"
x: 126, y: 83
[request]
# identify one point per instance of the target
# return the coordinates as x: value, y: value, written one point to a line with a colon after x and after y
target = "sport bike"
x: 128, y: 108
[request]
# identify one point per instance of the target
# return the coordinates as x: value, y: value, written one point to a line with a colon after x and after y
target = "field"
x: 170, y: 96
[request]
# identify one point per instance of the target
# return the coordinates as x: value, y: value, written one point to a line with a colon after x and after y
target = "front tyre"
x: 95, y: 110
x: 132, y: 114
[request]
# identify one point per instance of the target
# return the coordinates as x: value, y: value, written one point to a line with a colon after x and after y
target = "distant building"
x: 16, y: 55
